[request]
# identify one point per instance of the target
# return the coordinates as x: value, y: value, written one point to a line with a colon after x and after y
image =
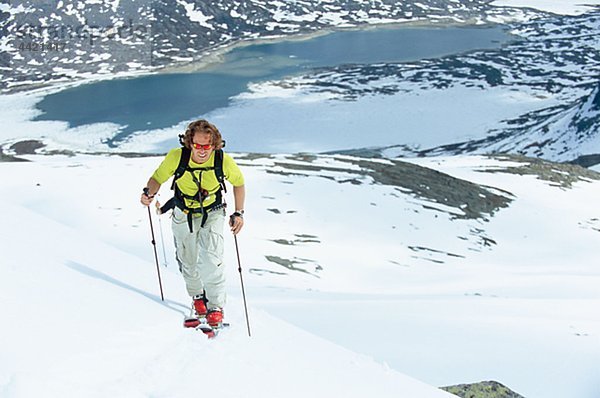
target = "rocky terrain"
x: 554, y: 56
x: 48, y: 41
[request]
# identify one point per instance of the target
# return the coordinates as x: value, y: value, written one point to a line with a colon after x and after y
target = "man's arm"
x: 239, y: 195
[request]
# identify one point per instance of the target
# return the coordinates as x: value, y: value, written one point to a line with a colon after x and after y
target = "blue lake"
x: 163, y: 100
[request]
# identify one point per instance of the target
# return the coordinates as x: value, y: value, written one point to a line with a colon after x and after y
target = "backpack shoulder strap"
x: 219, y: 168
x: 183, y: 164
x: 184, y: 160
x: 219, y: 165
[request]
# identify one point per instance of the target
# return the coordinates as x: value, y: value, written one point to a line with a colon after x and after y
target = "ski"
x: 209, y: 331
x: 204, y: 327
x: 199, y: 323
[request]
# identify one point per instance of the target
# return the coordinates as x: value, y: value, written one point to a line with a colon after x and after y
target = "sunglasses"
x: 206, y: 147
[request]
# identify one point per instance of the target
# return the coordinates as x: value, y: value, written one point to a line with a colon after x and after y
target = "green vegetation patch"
x: 484, y: 389
x: 562, y: 175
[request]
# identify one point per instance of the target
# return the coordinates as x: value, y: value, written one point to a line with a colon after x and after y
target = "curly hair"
x: 202, y: 126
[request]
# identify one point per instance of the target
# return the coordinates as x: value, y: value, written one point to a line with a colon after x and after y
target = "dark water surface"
x: 164, y: 100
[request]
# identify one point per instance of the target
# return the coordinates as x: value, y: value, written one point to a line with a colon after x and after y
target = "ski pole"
x: 242, y: 281
x: 162, y: 297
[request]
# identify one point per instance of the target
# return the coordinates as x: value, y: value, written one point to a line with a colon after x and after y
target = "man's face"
x: 201, y: 147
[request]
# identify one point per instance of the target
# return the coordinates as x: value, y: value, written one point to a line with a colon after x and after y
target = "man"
x: 199, y: 213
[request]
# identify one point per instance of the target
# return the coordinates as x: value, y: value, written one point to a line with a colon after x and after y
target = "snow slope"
x: 83, y: 317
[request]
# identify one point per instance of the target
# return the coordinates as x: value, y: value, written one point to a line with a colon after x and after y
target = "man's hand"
x: 236, y: 222
x: 146, y: 198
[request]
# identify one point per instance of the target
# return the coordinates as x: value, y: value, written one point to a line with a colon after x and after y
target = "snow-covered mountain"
x: 449, y: 270
x: 563, y: 132
x: 552, y: 65
x: 554, y: 58
x: 107, y: 37
x: 363, y: 269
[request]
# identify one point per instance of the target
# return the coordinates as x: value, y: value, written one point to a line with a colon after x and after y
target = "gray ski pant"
x: 200, y: 255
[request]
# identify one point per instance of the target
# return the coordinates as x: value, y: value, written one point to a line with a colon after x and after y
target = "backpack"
x: 178, y: 199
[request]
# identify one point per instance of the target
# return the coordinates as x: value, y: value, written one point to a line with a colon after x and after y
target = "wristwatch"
x: 239, y: 213
x: 146, y: 191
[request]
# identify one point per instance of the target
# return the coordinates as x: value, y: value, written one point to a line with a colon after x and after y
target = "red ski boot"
x: 215, y: 317
x: 200, y: 305
x: 197, y: 313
